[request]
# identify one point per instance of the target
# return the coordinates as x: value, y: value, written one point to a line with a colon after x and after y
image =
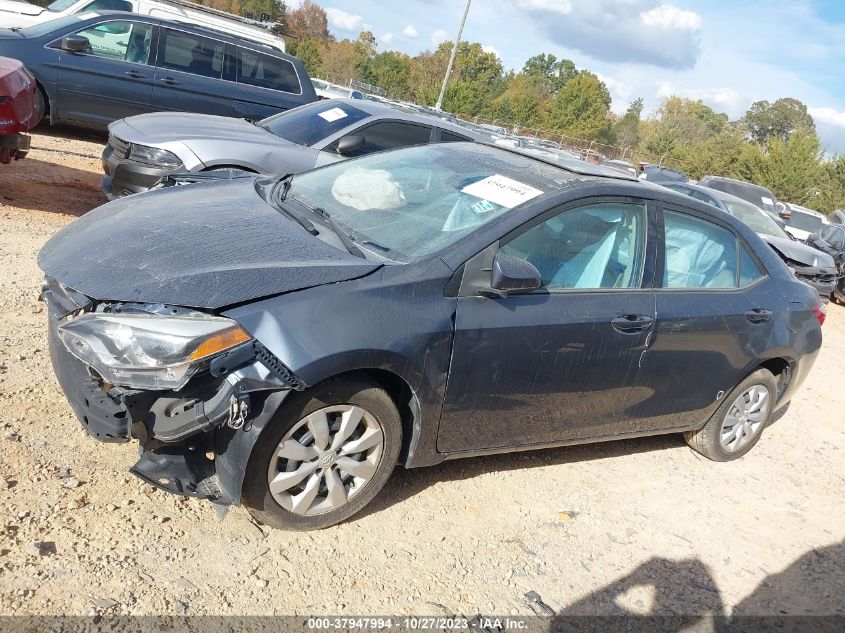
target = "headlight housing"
x: 153, y: 156
x: 145, y: 351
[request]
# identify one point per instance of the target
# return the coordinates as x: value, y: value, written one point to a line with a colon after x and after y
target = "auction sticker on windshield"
x: 333, y: 115
x: 502, y: 190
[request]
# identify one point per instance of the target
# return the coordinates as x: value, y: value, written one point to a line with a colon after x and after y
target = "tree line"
x: 773, y: 144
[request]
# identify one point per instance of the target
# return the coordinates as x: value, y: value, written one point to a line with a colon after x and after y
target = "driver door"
x: 114, y: 78
x: 558, y: 363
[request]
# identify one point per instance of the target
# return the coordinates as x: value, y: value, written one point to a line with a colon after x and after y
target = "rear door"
x: 189, y: 75
x: 267, y: 84
x: 114, y: 78
x: 714, y: 319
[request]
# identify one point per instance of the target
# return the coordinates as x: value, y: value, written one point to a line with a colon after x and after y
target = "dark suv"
x: 95, y: 68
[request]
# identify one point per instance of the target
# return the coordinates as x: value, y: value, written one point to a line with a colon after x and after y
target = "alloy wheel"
x: 745, y: 419
x: 326, y: 459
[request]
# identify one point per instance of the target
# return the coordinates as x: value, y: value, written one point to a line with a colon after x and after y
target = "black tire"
x: 40, y: 104
x: 707, y: 440
x: 256, y: 495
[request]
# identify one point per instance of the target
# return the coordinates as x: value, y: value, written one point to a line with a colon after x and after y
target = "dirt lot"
x: 645, y: 526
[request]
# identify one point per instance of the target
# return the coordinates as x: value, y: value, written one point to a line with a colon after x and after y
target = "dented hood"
x: 201, y: 246
x: 798, y: 252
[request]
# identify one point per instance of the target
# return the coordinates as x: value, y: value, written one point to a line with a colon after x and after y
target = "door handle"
x: 759, y: 315
x: 170, y: 81
x: 135, y: 74
x: 632, y: 323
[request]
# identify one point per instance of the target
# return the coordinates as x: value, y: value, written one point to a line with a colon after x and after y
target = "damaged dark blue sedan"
x: 285, y: 343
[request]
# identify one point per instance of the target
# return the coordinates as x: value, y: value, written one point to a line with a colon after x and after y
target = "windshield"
x: 61, y: 5
x: 310, y: 124
x: 805, y: 221
x: 413, y: 202
x: 757, y: 219
x: 37, y: 30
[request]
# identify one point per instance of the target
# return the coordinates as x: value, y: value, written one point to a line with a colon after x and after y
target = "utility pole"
x: 439, y: 104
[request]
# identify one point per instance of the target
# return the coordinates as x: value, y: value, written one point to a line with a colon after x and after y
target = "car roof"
x: 238, y: 40
x: 407, y: 113
x: 724, y: 196
x: 732, y: 181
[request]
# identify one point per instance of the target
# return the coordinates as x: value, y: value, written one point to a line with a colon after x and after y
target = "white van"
x: 17, y: 13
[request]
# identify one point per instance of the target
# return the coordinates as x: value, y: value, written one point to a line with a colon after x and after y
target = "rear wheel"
x: 325, y: 456
x: 738, y: 423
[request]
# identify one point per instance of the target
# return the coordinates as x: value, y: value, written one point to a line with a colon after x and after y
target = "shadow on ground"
x: 404, y: 484
x: 33, y: 183
x: 668, y: 595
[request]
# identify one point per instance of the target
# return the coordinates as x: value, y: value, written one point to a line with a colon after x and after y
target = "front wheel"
x: 738, y: 423
x: 326, y: 455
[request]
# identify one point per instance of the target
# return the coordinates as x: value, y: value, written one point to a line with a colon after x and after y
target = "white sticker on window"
x: 767, y: 200
x: 501, y: 190
x: 333, y: 115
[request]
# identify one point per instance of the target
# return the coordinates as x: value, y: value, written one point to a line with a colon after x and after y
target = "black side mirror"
x: 349, y: 144
x: 511, y: 275
x: 75, y: 44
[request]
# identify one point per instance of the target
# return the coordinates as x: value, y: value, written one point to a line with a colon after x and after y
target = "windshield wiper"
x: 304, y: 222
x: 348, y: 242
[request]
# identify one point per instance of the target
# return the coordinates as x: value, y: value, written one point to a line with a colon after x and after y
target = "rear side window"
x: 391, y: 134
x: 266, y: 71
x: 449, y: 137
x: 749, y: 269
x: 192, y: 54
x: 699, y: 254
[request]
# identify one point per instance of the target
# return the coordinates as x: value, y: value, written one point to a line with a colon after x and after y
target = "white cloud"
x: 632, y: 31
x: 828, y: 115
x: 667, y: 16
x: 725, y: 100
x: 555, y: 6
x: 438, y: 37
x: 410, y: 32
x: 621, y: 92
x: 342, y: 20
x: 491, y: 49
x: 387, y: 38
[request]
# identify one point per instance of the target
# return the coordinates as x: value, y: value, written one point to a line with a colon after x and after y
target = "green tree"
x: 626, y: 130
x: 310, y: 51
x: 308, y: 21
x: 581, y: 108
x: 553, y: 72
x: 341, y: 61
x: 765, y: 121
x: 390, y: 70
x: 524, y: 101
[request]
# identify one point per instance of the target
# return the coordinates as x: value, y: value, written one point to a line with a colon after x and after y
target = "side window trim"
x: 645, y: 282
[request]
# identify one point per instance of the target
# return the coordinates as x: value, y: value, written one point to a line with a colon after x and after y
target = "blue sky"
x: 727, y: 53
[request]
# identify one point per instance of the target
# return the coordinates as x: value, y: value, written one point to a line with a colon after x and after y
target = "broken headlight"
x: 153, y: 156
x: 148, y: 351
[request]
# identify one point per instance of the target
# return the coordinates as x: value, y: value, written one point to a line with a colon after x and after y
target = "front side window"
x: 193, y: 54
x: 109, y: 5
x: 756, y: 218
x: 120, y: 40
x: 309, y: 124
x: 267, y: 71
x: 416, y: 201
x: 389, y: 135
x: 595, y: 246
x: 837, y: 240
x: 699, y: 254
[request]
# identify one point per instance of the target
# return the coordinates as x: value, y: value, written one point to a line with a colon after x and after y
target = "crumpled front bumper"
x: 823, y: 279
x: 181, y: 434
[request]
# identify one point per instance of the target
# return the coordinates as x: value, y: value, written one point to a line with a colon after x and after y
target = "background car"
x: 19, y: 13
x: 831, y: 239
x: 755, y: 194
x: 20, y: 108
x: 659, y: 175
x: 809, y: 264
x: 93, y: 69
x: 212, y: 326
x: 328, y: 90
x: 803, y: 222
x: 143, y: 149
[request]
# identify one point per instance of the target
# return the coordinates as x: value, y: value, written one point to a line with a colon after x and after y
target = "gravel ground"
x: 642, y: 526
